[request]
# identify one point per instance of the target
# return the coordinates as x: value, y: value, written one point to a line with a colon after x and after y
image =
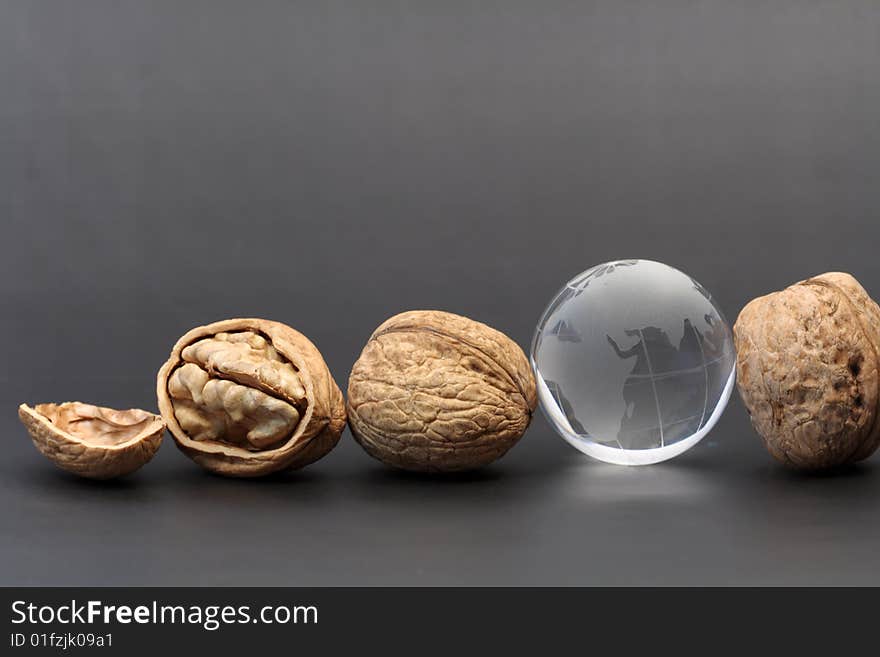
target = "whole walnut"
x: 437, y: 392
x: 807, y: 360
x: 247, y: 397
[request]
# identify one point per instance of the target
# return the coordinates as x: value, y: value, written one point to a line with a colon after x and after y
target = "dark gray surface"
x: 167, y: 164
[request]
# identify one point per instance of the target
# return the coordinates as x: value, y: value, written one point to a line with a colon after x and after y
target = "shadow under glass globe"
x: 634, y: 362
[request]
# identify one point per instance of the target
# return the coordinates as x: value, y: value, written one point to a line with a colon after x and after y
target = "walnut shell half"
x: 807, y: 360
x: 437, y: 392
x: 247, y: 397
x: 90, y: 441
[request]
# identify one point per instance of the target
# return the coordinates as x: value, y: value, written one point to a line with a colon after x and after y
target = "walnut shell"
x: 807, y: 360
x: 247, y: 397
x: 90, y: 441
x: 437, y: 392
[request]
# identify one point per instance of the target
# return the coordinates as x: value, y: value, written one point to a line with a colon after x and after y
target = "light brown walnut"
x: 247, y: 397
x: 437, y: 392
x: 807, y: 360
x: 90, y: 441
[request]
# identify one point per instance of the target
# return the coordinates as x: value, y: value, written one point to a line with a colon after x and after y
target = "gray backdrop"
x: 328, y: 164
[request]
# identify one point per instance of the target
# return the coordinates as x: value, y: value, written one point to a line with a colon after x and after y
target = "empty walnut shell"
x: 436, y: 392
x: 807, y: 360
x: 247, y: 397
x: 90, y: 441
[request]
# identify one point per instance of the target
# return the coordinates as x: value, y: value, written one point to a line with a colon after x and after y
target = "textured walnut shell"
x: 436, y: 392
x: 90, y: 441
x: 807, y: 360
x: 248, y: 397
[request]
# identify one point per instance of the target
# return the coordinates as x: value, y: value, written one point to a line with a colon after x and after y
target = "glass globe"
x: 634, y: 362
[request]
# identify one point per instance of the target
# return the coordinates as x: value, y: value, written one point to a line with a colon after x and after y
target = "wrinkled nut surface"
x: 807, y: 360
x: 247, y: 397
x: 90, y: 441
x: 436, y: 392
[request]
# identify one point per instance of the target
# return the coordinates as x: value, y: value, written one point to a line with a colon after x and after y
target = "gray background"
x: 328, y: 164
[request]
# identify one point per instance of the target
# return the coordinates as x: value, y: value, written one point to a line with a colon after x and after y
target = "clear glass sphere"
x: 634, y: 362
